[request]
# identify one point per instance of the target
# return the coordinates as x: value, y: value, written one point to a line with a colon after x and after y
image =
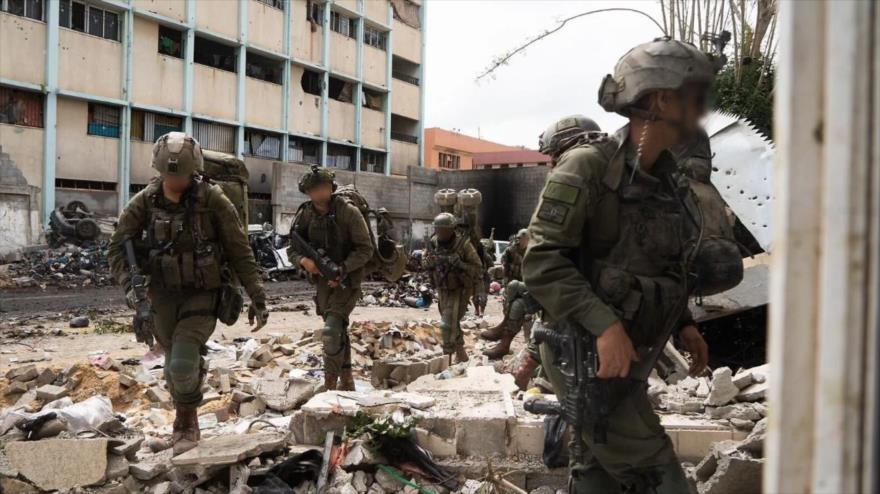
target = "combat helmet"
x: 444, y: 220
x: 177, y: 154
x: 316, y: 175
x: 524, y: 232
x: 662, y: 64
x: 563, y: 133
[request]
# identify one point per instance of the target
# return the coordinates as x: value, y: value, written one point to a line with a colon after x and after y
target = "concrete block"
x: 50, y: 392
x: 117, y: 467
x: 755, y: 392
x: 126, y: 381
x: 528, y: 437
x: 380, y: 372
x: 694, y: 444
x: 59, y: 464
x: 157, y: 395
x: 23, y: 374
x: 416, y: 370
x: 723, y: 389
x: 481, y: 436
x: 734, y: 475
x: 743, y: 379
x: 311, y: 429
x: 15, y: 387
x: 14, y: 486
x: 46, y: 376
x: 438, y: 446
x: 229, y: 449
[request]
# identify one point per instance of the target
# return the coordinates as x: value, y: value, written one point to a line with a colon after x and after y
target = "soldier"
x: 194, y: 238
x: 384, y: 225
x: 512, y: 258
x: 454, y: 266
x: 564, y: 134
x: 607, y: 257
x: 328, y: 222
x: 505, y: 331
x: 519, y: 310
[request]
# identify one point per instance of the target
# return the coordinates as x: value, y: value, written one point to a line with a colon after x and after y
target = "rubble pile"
x: 68, y: 266
x: 411, y: 290
x: 732, y: 466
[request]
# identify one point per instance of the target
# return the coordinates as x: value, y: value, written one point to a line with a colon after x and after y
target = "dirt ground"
x: 52, y: 310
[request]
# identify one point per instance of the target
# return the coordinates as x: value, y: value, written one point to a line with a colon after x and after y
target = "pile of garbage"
x: 411, y: 290
x: 67, y: 266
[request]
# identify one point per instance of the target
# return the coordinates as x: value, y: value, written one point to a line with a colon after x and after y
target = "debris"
x: 723, y: 389
x: 79, y: 322
x: 50, y: 392
x: 74, y: 462
x: 229, y: 449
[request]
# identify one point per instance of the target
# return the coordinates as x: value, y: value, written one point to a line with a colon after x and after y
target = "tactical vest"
x: 323, y: 232
x: 515, y: 259
x: 450, y: 277
x: 184, y: 250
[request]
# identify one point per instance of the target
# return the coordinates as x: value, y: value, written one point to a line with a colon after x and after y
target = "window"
x: 21, y: 107
x: 316, y: 13
x: 406, y: 71
x: 340, y: 157
x: 450, y: 161
x: 266, y: 69
x: 374, y: 37
x: 343, y: 25
x: 148, y: 126
x: 407, y: 12
x: 68, y: 183
x: 103, y: 120
x: 371, y: 161
x: 340, y: 90
x: 311, y: 82
x: 278, y: 4
x: 26, y: 8
x: 374, y: 100
x: 261, y: 144
x: 214, y: 136
x: 214, y: 54
x: 304, y: 151
x: 170, y: 42
x: 88, y: 19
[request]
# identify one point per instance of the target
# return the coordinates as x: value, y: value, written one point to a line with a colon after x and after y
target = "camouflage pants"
x: 183, y: 322
x: 335, y: 306
x: 638, y: 453
x: 453, y: 305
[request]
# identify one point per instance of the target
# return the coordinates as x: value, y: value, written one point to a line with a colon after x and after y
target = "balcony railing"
x: 397, y: 136
x: 405, y: 78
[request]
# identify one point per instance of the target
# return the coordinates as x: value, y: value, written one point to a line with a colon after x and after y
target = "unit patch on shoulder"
x: 562, y: 192
x: 553, y: 212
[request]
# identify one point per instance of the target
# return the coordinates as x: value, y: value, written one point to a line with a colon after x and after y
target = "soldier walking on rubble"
x: 454, y: 266
x: 335, y: 227
x: 608, y: 257
x: 195, y: 242
x: 511, y: 259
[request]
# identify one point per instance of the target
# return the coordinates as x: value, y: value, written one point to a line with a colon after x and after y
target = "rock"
x: 252, y: 407
x: 74, y: 462
x: 14, y: 388
x: 688, y: 384
x: 743, y: 379
x: 386, y: 481
x: 376, y: 488
x: 754, y: 443
x: 79, y: 322
x: 229, y: 449
x: 50, y: 392
x: 723, y: 389
x: 158, y: 395
x: 742, y: 424
x: 126, y: 381
x: 23, y: 374
x: 126, y: 447
x: 47, y: 376
x: 703, y: 389
x: 755, y: 392
x: 734, y: 475
x: 151, y: 466
x: 359, y: 454
x: 14, y: 486
x: 117, y: 467
x: 361, y: 481
x: 743, y: 411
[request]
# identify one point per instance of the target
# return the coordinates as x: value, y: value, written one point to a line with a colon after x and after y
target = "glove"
x: 259, y: 313
x: 130, y: 297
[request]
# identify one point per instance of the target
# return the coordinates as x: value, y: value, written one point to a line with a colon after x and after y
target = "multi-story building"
x: 510, y: 159
x: 86, y: 86
x: 451, y: 150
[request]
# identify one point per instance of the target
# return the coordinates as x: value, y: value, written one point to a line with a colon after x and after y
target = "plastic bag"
x: 554, y: 442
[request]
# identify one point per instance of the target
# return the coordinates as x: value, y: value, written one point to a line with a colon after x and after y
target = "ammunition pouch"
x: 230, y: 300
x: 715, y: 256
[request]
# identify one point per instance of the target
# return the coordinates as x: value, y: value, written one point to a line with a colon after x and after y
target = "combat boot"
x: 525, y: 372
x: 497, y: 332
x: 346, y: 381
x: 189, y: 428
x: 461, y: 354
x: 501, y: 348
x: 330, y: 381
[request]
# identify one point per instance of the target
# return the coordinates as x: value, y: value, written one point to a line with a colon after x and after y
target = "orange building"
x: 448, y: 150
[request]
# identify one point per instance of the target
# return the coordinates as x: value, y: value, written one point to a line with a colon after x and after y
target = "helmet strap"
x: 639, y: 146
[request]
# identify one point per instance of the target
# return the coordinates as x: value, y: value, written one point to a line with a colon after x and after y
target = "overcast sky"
x: 558, y: 76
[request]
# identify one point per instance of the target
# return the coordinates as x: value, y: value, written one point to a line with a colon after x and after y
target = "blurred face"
x: 320, y: 193
x: 685, y: 107
x: 523, y: 241
x: 444, y: 234
x: 177, y: 183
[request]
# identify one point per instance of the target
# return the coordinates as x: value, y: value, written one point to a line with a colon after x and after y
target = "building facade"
x: 87, y: 86
x: 450, y: 150
x: 510, y: 159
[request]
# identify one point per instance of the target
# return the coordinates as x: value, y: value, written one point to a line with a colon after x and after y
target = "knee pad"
x: 185, y: 368
x: 333, y: 334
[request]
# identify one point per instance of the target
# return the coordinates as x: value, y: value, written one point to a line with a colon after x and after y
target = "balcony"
x: 375, y: 65
x: 405, y: 99
x: 400, y: 76
x: 372, y: 128
x: 24, y: 44
x: 156, y: 79
x: 400, y: 136
x: 220, y: 21
x: 265, y: 25
x: 264, y: 102
x: 407, y: 42
x: 89, y: 64
x: 175, y: 9
x: 403, y: 155
x: 214, y: 92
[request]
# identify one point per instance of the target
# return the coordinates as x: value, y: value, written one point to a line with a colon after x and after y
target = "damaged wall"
x: 19, y: 208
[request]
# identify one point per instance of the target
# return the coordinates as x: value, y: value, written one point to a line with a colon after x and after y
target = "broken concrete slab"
x: 151, y: 466
x: 226, y: 450
x: 755, y: 392
x: 14, y: 486
x: 734, y: 475
x: 480, y: 379
x: 24, y: 373
x: 117, y: 467
x: 86, y: 467
x: 50, y: 392
x: 284, y: 394
x: 723, y: 389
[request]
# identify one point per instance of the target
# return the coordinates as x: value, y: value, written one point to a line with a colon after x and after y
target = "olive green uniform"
x: 343, y: 235
x: 520, y: 305
x: 512, y: 261
x: 604, y: 250
x: 454, y: 267
x: 193, y: 247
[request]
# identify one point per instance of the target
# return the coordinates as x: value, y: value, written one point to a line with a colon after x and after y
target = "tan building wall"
x: 305, y: 109
x: 343, y: 54
x: 218, y: 16
x: 350, y: 5
x: 214, y: 92
x: 156, y: 79
x: 141, y: 162
x: 264, y: 102
x: 89, y: 64
x: 341, y: 124
x: 25, y: 148
x: 265, y: 26
x: 373, y: 128
x: 375, y: 65
x: 403, y: 154
x: 307, y: 42
x: 260, y: 170
x: 405, y: 99
x: 464, y: 146
x: 22, y: 48
x: 377, y: 10
x: 176, y: 9
x: 407, y: 42
x: 82, y: 156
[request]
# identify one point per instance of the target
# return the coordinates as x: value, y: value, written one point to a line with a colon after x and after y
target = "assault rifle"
x: 143, y: 314
x: 329, y: 269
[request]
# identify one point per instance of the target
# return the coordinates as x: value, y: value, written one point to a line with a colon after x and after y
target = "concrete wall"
x: 372, y: 128
x: 19, y: 217
x: 343, y: 54
x: 403, y: 155
x: 376, y: 10
x: 156, y: 79
x: 214, y: 92
x: 219, y: 17
x: 82, y: 156
x: 405, y: 99
x: 98, y: 201
x: 23, y: 43
x: 341, y: 122
x: 305, y: 109
x: 260, y: 171
x: 407, y: 42
x: 24, y: 145
x: 306, y: 35
x: 264, y: 102
x: 265, y: 26
x: 141, y: 162
x: 176, y: 9
x: 376, y: 66
x: 89, y: 64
